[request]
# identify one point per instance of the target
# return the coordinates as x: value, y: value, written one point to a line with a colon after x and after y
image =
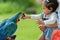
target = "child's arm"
x: 52, y: 25
x: 38, y: 16
x: 26, y: 17
x: 51, y: 22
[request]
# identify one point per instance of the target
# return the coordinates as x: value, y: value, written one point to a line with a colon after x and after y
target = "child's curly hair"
x: 51, y: 4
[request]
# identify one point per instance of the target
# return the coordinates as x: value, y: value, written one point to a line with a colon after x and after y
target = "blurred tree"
x: 29, y: 6
x: 23, y: 3
x: 30, y: 10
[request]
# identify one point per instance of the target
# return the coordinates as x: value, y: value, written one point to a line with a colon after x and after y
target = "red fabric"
x: 55, y: 35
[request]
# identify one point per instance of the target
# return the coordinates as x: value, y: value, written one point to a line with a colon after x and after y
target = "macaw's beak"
x: 17, y: 20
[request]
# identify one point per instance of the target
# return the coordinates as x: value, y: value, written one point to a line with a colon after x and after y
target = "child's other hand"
x: 40, y: 22
x: 41, y: 27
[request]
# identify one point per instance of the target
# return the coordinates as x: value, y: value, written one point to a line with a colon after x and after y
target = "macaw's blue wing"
x: 7, y: 30
x: 8, y: 27
x: 3, y: 22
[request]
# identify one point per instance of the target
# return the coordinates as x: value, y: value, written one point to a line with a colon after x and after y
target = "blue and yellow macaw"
x: 8, y: 26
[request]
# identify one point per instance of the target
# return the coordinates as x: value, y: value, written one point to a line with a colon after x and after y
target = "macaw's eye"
x: 18, y: 19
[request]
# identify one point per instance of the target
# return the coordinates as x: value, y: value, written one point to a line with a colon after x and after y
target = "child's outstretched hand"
x: 24, y: 16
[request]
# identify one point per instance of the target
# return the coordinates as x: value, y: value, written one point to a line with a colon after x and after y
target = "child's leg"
x: 41, y: 37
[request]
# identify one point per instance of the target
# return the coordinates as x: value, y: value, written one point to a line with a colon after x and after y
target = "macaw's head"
x: 20, y: 16
x: 15, y: 18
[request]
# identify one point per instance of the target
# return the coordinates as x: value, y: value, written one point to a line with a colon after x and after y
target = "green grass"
x: 27, y: 29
